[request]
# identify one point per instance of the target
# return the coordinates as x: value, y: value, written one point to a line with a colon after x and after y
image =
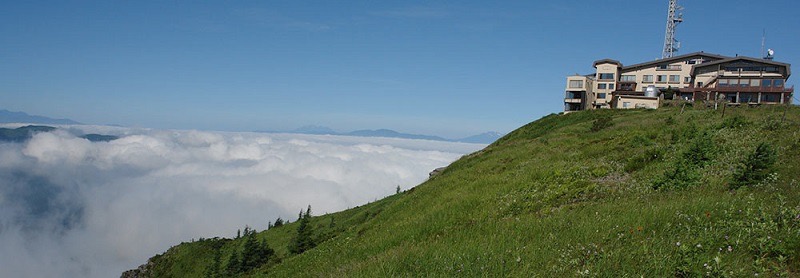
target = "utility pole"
x: 671, y: 44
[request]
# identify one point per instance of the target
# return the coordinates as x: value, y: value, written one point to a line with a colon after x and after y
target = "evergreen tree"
x: 250, y: 253
x: 213, y: 270
x: 254, y: 253
x: 265, y: 251
x: 755, y: 168
x: 234, y: 266
x: 303, y: 241
x: 278, y: 222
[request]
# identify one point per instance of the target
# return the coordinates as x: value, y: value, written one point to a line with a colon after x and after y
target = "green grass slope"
x: 598, y: 193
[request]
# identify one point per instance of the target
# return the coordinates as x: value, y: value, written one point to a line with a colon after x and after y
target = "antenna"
x: 763, y: 40
x: 671, y: 45
x: 770, y: 53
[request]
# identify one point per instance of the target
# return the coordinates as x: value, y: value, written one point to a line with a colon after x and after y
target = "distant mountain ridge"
x: 22, y: 134
x: 483, y: 138
x: 22, y: 117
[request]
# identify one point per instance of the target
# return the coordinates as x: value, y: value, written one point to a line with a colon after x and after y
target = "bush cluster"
x: 601, y: 122
x: 755, y: 167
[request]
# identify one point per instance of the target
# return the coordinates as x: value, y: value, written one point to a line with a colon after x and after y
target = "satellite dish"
x: 770, y: 52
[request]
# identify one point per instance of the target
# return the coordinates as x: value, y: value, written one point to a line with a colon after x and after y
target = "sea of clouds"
x: 74, y: 208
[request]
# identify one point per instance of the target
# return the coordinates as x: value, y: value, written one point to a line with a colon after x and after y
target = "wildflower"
x: 678, y: 243
x: 640, y: 228
x: 699, y: 246
x: 730, y: 249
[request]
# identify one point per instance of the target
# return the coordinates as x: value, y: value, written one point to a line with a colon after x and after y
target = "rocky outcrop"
x: 436, y: 172
x: 143, y: 271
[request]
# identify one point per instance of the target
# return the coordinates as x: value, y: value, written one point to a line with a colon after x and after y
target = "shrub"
x: 669, y: 93
x: 684, y: 133
x: 669, y: 120
x: 737, y: 121
x: 685, y: 173
x: 772, y: 124
x: 601, y: 122
x: 641, y: 160
x: 755, y: 167
x: 681, y: 176
x: 701, y: 150
x: 639, y: 140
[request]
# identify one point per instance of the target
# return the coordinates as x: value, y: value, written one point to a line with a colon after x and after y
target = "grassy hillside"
x: 597, y: 193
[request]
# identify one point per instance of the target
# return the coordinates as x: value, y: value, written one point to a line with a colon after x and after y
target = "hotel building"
x: 696, y: 76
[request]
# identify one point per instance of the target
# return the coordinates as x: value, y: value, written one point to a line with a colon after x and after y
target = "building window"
x: 687, y: 79
x: 744, y: 83
x: 601, y: 96
x: 755, y: 83
x: 661, y: 78
x: 601, y: 86
x: 699, y: 84
x: 574, y: 95
x: 626, y: 104
x: 747, y: 97
x: 611, y: 86
x: 767, y: 83
x: 674, y: 78
x: 631, y: 78
x: 576, y: 83
x: 605, y: 76
x: 769, y: 98
x: 777, y: 83
x: 647, y: 78
x: 669, y: 67
x: 722, y: 83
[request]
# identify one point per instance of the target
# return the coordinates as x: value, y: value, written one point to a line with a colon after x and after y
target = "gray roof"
x: 674, y: 59
x: 745, y: 58
x: 607, y: 61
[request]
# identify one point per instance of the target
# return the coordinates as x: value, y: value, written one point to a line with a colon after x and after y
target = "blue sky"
x: 447, y: 68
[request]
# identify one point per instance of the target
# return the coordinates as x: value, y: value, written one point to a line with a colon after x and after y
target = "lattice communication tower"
x: 671, y: 45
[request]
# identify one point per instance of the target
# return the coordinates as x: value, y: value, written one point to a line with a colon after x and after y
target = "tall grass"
x: 557, y: 198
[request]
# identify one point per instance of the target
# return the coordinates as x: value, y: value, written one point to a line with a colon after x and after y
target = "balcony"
x: 573, y: 100
x: 668, y: 67
x: 626, y: 86
x: 741, y: 89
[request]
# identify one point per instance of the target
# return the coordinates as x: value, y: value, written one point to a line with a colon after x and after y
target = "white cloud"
x: 74, y: 208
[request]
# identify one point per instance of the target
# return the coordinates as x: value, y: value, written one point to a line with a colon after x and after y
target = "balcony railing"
x: 626, y: 86
x: 741, y: 89
x: 669, y: 67
x: 573, y: 100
